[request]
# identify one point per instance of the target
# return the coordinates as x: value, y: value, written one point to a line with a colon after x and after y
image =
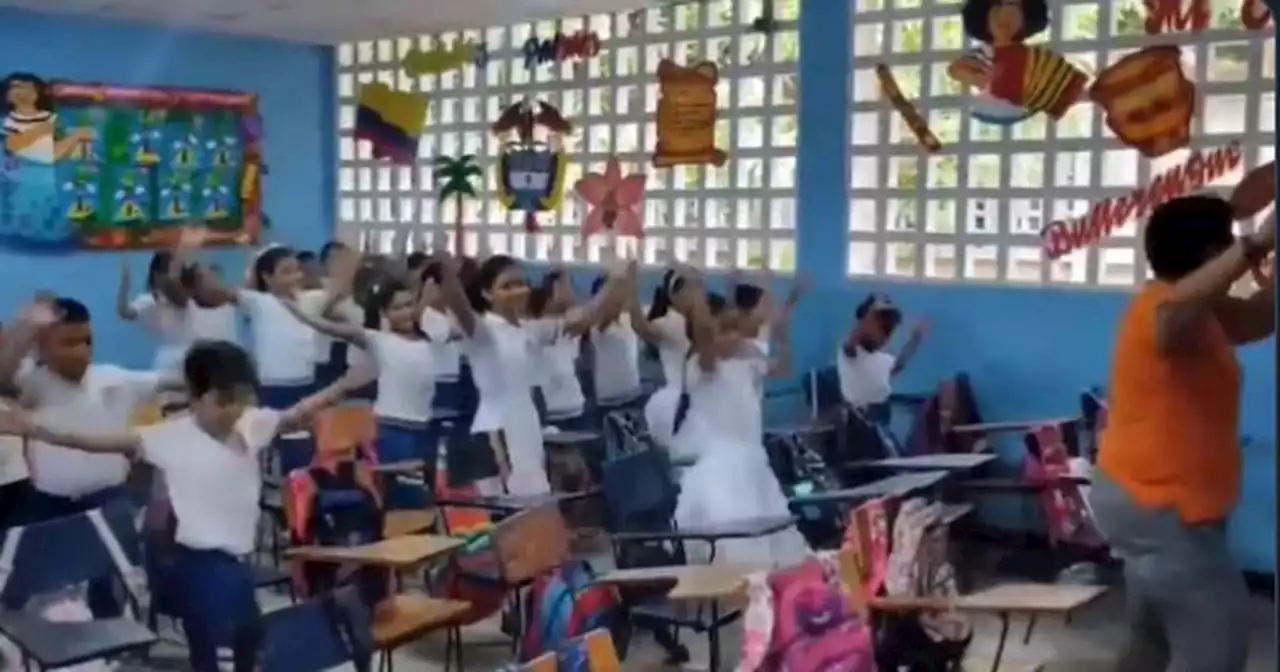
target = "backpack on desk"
x: 336, y: 504
x: 567, y: 603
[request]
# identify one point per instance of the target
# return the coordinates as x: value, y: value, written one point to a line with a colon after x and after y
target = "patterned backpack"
x: 567, y: 603
x: 1048, y: 458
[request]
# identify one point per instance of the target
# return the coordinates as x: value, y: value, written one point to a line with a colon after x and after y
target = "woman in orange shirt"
x: 1169, y: 462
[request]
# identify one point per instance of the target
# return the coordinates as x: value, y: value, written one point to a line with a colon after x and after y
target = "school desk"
x: 399, y: 523
x: 402, y: 619
x: 1008, y: 427
x: 400, y: 553
x: 510, y: 504
x: 569, y: 437
x: 720, y: 585
x: 937, y: 462
x: 711, y: 534
x: 897, y: 485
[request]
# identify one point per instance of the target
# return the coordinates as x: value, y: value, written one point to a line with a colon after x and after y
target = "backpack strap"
x: 8, y: 553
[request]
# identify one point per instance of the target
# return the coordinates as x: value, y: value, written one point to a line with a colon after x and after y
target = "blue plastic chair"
x: 53, y: 556
x: 323, y: 633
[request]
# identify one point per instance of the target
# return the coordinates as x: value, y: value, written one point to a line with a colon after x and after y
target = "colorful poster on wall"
x: 687, y: 115
x: 531, y: 168
x: 110, y: 167
x: 1147, y: 100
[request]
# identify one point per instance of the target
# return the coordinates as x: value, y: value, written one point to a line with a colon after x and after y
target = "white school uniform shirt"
x: 442, y: 329
x: 101, y: 403
x: 312, y: 302
x: 406, y: 376
x: 13, y: 464
x: 673, y: 353
x: 283, y: 347
x: 866, y: 378
x: 558, y: 364
x: 502, y: 357
x: 214, y: 485
x: 213, y: 324
x: 729, y: 396
x: 171, y: 326
x: 615, y: 352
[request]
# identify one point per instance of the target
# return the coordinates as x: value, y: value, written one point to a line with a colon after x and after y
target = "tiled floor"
x: 1088, y: 644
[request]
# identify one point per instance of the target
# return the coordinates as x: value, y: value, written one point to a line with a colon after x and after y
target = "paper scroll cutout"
x: 391, y: 121
x: 1147, y: 100
x: 531, y: 170
x: 687, y: 115
x: 1255, y: 192
x: 1062, y: 237
x: 919, y: 127
x: 438, y: 61
x: 613, y: 200
x: 455, y: 178
x: 1015, y: 81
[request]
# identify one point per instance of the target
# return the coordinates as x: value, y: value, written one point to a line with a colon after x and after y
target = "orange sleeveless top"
x: 1172, y: 436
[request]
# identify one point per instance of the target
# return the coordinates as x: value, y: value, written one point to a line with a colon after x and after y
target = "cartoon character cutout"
x: 1015, y: 80
x: 132, y: 200
x: 1147, y: 100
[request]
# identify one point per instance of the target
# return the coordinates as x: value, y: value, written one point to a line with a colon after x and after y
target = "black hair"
x: 597, y: 285
x: 540, y: 296
x: 889, y: 315
x: 43, y: 99
x: 432, y: 271
x: 416, y: 260
x: 976, y: 14
x: 482, y: 281
x: 70, y: 311
x: 661, y: 303
x: 747, y: 296
x: 266, y: 264
x: 218, y: 367
x: 1184, y: 233
x: 329, y: 248
x: 467, y: 270
x: 306, y: 257
x: 716, y: 304
x: 160, y: 262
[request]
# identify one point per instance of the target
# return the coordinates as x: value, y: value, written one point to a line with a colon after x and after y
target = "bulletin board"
x: 96, y: 166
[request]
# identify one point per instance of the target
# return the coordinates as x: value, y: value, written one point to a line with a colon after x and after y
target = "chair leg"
x: 457, y: 648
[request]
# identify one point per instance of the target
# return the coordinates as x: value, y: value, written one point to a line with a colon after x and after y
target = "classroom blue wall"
x: 295, y: 84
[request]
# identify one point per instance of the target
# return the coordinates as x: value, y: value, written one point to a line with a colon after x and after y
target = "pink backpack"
x: 1069, y: 519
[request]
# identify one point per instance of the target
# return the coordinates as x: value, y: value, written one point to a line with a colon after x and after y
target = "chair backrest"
x: 954, y: 404
x: 621, y: 430
x: 531, y: 542
x: 53, y: 555
x: 342, y: 429
x: 822, y: 391
x: 320, y: 634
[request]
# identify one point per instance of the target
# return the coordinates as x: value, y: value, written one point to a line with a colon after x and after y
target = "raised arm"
x: 639, y: 321
x: 18, y: 341
x: 124, y: 294
x: 18, y: 422
x: 455, y: 295
x: 910, y: 348
x: 297, y: 416
x: 780, y: 363
x: 351, y: 333
x: 605, y: 302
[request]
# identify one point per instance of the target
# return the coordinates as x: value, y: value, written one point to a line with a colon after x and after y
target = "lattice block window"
x: 738, y: 215
x: 974, y: 211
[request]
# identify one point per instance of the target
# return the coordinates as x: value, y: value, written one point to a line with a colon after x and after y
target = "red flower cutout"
x: 614, y: 201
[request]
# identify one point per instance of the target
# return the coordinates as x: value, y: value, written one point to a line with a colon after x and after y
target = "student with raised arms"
x: 501, y: 347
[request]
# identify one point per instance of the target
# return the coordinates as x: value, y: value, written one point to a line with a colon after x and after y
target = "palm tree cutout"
x: 128, y: 200
x: 82, y: 188
x: 456, y: 179
x: 147, y: 139
x: 614, y: 201
x: 175, y: 196
x: 184, y: 151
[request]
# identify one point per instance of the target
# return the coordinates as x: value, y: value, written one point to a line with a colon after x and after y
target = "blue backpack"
x: 567, y: 603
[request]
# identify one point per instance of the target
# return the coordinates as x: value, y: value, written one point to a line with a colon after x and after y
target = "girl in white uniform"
x: 864, y: 366
x: 615, y: 357
x: 665, y: 328
x: 501, y: 348
x: 162, y: 308
x: 405, y: 362
x: 208, y: 319
x: 446, y: 339
x: 731, y: 480
x: 550, y: 304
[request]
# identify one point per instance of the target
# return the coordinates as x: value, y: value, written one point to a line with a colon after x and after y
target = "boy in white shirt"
x: 209, y: 459
x: 864, y: 367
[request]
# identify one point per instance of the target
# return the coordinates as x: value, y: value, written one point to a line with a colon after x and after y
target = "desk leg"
x: 1004, y: 636
x: 1031, y: 625
x: 713, y: 638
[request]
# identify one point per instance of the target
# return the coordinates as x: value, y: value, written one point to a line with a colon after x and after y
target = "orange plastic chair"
x: 339, y: 431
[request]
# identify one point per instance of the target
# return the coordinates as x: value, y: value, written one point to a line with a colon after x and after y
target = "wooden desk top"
x: 1043, y: 598
x: 399, y: 553
x: 896, y: 485
x: 569, y: 437
x: 403, y: 523
x: 404, y: 467
x: 1012, y: 426
x: 404, y: 618
x: 690, y: 582
x: 941, y: 462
